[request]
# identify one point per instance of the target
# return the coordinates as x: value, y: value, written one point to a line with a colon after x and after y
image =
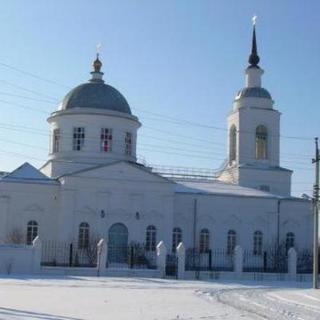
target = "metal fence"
x: 270, y: 260
x: 305, y: 261
x: 172, y: 265
x: 134, y: 256
x: 57, y: 253
x: 211, y: 260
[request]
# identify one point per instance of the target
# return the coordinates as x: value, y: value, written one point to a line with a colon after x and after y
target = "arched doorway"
x: 118, y: 244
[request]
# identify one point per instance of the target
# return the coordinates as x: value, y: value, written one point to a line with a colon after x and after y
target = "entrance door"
x: 118, y: 244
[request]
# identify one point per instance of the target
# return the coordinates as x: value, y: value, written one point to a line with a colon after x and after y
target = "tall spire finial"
x: 254, y: 58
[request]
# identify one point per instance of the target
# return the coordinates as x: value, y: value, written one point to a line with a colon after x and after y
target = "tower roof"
x: 253, y: 92
x: 254, y: 58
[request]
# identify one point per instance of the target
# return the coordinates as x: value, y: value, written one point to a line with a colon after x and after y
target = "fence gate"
x: 171, y: 265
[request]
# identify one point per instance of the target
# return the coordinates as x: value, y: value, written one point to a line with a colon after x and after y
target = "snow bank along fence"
x: 100, y: 258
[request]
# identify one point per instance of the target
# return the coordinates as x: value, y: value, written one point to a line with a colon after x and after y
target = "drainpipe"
x: 194, y: 223
x: 278, y: 224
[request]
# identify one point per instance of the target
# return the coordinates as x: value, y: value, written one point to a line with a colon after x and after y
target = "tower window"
x: 106, y: 140
x: 128, y: 143
x: 261, y: 142
x: 56, y: 140
x: 78, y: 138
x: 264, y: 188
x: 232, y: 144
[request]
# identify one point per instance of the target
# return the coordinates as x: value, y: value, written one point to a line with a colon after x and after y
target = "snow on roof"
x: 3, y: 173
x: 218, y: 187
x: 27, y: 172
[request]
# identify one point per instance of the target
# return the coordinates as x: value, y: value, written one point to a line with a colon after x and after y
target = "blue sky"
x: 182, y: 59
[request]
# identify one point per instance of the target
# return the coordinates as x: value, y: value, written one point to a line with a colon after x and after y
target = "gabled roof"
x: 130, y: 163
x: 27, y: 173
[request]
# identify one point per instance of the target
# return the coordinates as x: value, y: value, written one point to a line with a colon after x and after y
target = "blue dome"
x: 95, y: 95
x: 253, y: 92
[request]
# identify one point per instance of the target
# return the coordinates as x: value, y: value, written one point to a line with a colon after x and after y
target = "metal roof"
x: 253, y: 92
x: 97, y: 95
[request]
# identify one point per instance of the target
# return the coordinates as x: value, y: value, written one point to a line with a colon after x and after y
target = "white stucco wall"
x: 119, y: 191
x: 17, y: 259
x: 92, y: 121
x: 245, y: 215
x: 23, y: 202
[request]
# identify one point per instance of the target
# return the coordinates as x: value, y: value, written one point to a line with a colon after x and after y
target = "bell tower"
x: 254, y: 135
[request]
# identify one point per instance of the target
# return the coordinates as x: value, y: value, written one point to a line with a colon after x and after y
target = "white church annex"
x: 92, y: 186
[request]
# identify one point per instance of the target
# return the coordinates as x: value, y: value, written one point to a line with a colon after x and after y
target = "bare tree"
x: 91, y: 250
x: 277, y: 257
x: 86, y: 255
x: 15, y: 236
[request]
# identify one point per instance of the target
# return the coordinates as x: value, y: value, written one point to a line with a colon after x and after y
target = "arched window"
x: 83, y: 241
x: 261, y: 142
x: 204, y: 240
x: 232, y: 240
x: 151, y: 238
x: 289, y: 240
x: 176, y: 238
x: 232, y: 144
x: 32, y: 231
x: 257, y: 243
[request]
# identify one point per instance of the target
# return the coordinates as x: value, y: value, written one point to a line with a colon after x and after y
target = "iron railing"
x: 58, y: 253
x: 305, y: 261
x: 172, y: 265
x: 135, y: 256
x: 210, y: 260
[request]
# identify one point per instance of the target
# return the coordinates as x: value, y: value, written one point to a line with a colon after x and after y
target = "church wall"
x: 296, y: 216
x: 23, y: 202
x: 245, y: 215
x: 278, y: 181
x: 133, y: 201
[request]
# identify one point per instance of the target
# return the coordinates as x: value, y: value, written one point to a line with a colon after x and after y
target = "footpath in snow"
x: 86, y: 298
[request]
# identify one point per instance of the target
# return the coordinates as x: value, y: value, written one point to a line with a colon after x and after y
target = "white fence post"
x: 238, y: 260
x: 102, y: 253
x: 292, y: 262
x: 37, y: 254
x: 181, y: 254
x: 161, y: 258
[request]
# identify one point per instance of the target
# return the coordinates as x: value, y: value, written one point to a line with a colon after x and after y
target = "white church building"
x: 93, y: 187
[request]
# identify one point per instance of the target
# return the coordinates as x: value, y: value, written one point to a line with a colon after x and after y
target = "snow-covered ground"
x: 80, y: 298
